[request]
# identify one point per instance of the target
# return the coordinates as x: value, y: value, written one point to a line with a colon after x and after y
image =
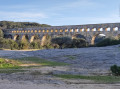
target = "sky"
x: 61, y: 12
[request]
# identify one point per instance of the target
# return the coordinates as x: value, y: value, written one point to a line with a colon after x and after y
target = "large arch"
x: 8, y: 36
x: 16, y: 37
x: 100, y: 37
x: 45, y: 39
x: 34, y: 37
x: 25, y: 37
x: 78, y: 36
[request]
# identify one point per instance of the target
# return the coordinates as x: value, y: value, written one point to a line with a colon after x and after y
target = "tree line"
x: 11, y: 24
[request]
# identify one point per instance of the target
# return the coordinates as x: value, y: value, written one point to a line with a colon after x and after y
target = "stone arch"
x: 25, y: 37
x: 107, y: 29
x: 97, y: 35
x: 34, y: 37
x: 45, y: 39
x: 16, y: 37
x: 100, y: 29
x: 8, y: 36
x: 94, y: 29
x: 78, y: 36
x: 115, y: 29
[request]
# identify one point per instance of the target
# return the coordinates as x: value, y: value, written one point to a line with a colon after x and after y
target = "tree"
x: 79, y: 42
x: 35, y: 44
x: 62, y: 41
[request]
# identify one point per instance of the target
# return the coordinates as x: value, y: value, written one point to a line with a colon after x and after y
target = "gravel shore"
x: 83, y: 61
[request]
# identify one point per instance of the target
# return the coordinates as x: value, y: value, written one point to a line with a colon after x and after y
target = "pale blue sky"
x: 61, y: 12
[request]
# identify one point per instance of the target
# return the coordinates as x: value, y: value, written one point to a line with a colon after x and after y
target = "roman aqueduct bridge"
x: 88, y: 32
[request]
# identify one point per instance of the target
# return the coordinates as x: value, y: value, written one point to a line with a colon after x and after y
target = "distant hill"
x: 11, y: 24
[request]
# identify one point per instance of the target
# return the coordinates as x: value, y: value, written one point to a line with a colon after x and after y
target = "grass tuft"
x: 97, y: 79
x: 8, y: 63
x: 43, y: 62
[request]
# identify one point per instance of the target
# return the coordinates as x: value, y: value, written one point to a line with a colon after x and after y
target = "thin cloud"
x: 75, y: 4
x: 22, y: 16
x: 113, y: 18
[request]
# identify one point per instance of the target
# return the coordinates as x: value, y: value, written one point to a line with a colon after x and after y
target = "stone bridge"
x: 88, y: 32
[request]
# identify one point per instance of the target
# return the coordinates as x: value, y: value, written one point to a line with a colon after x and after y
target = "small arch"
x: 43, y: 31
x: 36, y: 31
x: 88, y: 29
x: 66, y: 30
x: 56, y: 30
x: 71, y: 30
x: 51, y: 30
x: 22, y: 31
x: 61, y: 30
x: 76, y: 30
x: 31, y: 31
x: 39, y: 31
x: 94, y: 29
x: 100, y: 29
x: 97, y: 38
x: 82, y: 30
x: 108, y: 29
x: 47, y: 31
x: 25, y: 31
x: 28, y: 31
x: 115, y: 29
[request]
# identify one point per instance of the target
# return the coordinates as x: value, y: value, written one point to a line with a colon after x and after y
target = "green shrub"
x: 115, y: 70
x: 6, y: 63
x: 63, y: 42
x: 78, y: 43
x: 108, y: 42
x: 23, y: 44
x: 35, y: 45
x: 8, y: 44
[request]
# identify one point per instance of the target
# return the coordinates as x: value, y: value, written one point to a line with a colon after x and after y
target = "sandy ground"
x: 84, y: 61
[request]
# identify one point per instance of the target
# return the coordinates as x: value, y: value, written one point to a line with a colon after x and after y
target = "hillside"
x: 11, y: 24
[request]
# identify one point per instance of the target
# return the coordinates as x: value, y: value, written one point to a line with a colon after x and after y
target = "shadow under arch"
x: 9, y: 36
x: 78, y: 36
x: 97, y: 38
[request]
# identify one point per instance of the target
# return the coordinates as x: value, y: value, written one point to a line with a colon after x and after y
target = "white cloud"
x: 22, y: 16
